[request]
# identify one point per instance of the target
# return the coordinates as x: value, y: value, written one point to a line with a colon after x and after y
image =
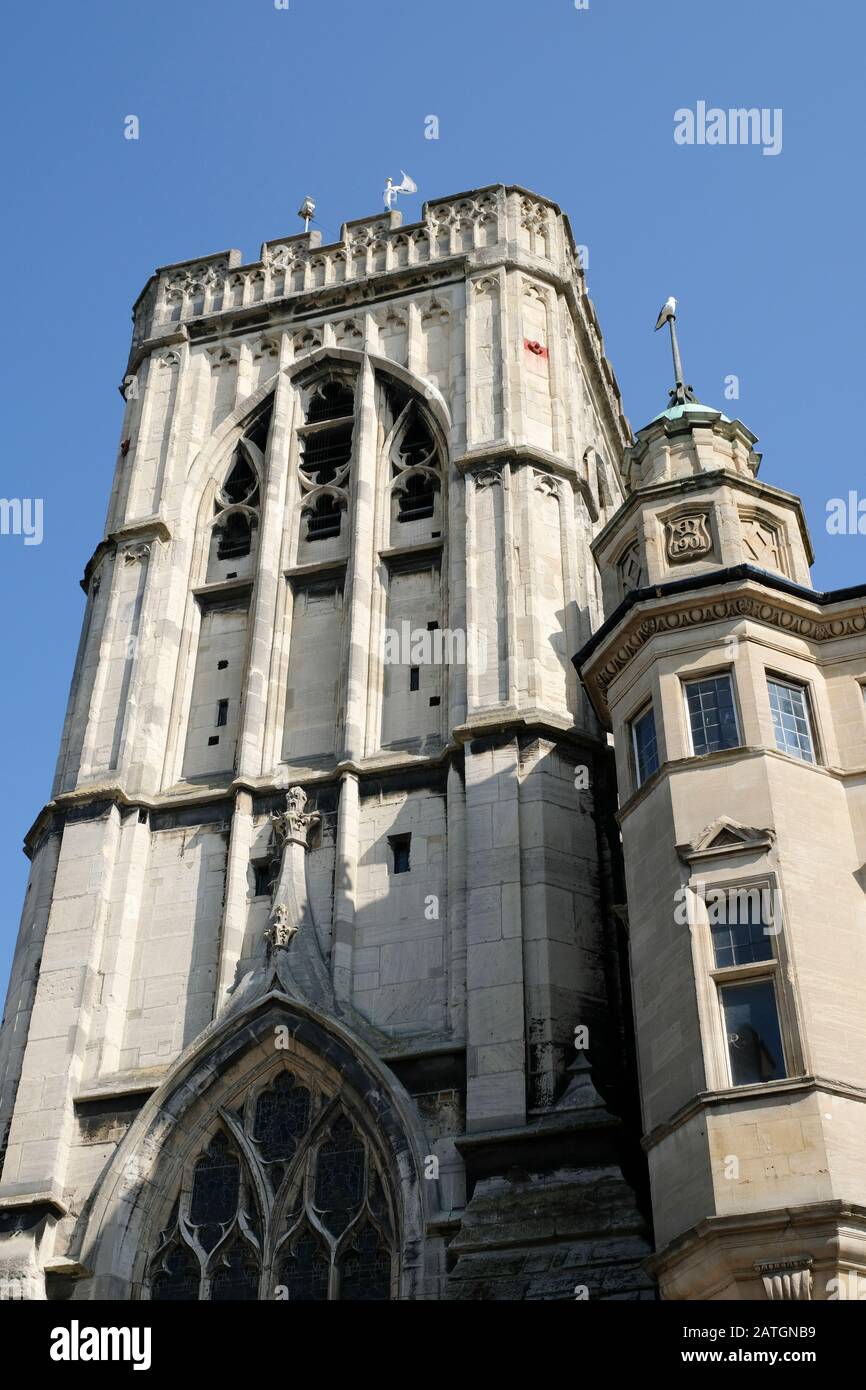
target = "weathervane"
x: 392, y: 189
x: 681, y: 393
x: 305, y: 212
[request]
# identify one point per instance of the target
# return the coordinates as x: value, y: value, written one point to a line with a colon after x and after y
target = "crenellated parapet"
x: 375, y: 258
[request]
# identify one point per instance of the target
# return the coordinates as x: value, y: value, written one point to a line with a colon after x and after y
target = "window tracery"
x: 326, y: 456
x: 415, y: 468
x: 288, y: 1199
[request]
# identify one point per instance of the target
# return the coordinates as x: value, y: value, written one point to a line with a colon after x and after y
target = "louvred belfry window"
x: 236, y: 510
x: 287, y: 1200
x: 415, y: 467
x: 326, y: 440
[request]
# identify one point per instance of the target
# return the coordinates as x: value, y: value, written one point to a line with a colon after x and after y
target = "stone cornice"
x: 743, y: 592
x: 772, y: 1226
x: 501, y: 452
x: 143, y: 531
x: 737, y: 1095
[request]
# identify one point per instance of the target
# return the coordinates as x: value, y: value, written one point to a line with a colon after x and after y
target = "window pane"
x: 645, y: 747
x: 739, y: 918
x: 711, y: 714
x: 791, y: 720
x: 753, y: 1035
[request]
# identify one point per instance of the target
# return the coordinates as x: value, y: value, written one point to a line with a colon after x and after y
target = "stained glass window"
x: 215, y: 1191
x: 305, y: 1272
x: 178, y: 1279
x: 366, y: 1269
x: 236, y: 1276
x: 282, y: 1117
x: 339, y: 1177
x: 324, y: 1207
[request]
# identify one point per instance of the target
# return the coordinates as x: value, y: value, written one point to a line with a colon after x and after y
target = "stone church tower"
x: 320, y: 989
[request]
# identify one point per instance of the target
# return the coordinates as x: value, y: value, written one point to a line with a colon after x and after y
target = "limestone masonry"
x: 376, y: 945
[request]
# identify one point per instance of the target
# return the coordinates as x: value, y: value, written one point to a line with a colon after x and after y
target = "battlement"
x: 462, y: 224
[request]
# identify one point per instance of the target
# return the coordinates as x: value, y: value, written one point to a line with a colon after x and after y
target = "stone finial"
x: 281, y: 930
x: 294, y: 824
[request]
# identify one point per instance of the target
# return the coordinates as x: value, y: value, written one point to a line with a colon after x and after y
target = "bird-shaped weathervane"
x: 407, y: 185
x: 681, y: 393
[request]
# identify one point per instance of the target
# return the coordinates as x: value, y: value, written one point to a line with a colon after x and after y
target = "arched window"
x: 415, y: 467
x: 326, y: 439
x: 288, y: 1200
x: 236, y: 508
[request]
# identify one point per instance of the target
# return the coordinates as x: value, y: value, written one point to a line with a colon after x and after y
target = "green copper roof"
x: 676, y: 412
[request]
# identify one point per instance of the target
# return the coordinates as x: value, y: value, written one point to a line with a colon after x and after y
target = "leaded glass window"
x: 366, y: 1269
x: 305, y: 1271
x: 215, y: 1191
x: 328, y: 1225
x: 339, y: 1178
x: 712, y: 717
x: 789, y: 706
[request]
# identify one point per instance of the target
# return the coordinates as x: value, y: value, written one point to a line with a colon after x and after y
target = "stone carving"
x: 630, y: 568
x: 135, y: 554
x: 194, y: 278
x: 546, y: 483
x: 266, y: 347
x: 280, y: 932
x: 787, y: 1280
x: 688, y: 537
x: 294, y: 824
x: 289, y: 904
x: 308, y: 341
x: 746, y: 606
x: 762, y: 541
x: 222, y: 357
x: 487, y: 477
x: 277, y: 257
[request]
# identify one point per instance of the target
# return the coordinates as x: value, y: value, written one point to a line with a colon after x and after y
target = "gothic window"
x: 366, y: 1269
x: 236, y: 1276
x: 326, y: 440
x: 305, y: 1270
x: 339, y: 1178
x: 178, y: 1278
x: 282, y: 1117
x: 236, y: 508
x: 415, y: 469
x: 215, y: 1190
x: 327, y: 1230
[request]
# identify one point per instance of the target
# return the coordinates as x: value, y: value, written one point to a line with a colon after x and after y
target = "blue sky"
x: 244, y: 108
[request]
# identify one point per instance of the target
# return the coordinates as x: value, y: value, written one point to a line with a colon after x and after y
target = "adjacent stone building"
x: 735, y: 693
x: 332, y: 981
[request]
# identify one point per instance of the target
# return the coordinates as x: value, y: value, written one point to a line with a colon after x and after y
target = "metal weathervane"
x: 392, y: 189
x: 681, y: 393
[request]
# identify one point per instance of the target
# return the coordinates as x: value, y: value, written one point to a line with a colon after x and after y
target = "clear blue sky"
x: 245, y: 108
